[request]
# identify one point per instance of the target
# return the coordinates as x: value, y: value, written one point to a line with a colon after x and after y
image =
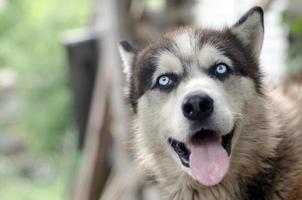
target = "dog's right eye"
x: 166, y: 82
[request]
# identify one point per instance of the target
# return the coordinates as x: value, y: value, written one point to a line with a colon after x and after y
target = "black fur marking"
x: 257, y: 9
x: 212, y: 72
x: 175, y: 80
x: 249, y: 68
x: 127, y: 46
x: 195, y: 194
x: 141, y: 82
x: 242, y: 57
x: 144, y: 66
x: 261, y: 185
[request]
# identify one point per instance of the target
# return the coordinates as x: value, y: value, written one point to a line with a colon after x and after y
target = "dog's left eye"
x: 221, y: 70
x: 165, y: 81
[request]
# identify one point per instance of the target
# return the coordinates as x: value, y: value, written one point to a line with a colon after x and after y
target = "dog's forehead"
x: 186, y: 44
x: 179, y: 49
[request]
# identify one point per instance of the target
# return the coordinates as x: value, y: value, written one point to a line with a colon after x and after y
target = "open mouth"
x: 207, y: 155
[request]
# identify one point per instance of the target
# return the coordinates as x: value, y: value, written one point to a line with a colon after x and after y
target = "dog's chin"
x: 206, y: 155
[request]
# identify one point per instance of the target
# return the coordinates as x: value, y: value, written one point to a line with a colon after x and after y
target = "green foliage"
x: 30, y: 190
x: 294, y: 23
x: 30, y: 38
x: 30, y: 44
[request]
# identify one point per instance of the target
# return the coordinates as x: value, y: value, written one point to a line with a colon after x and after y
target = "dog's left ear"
x: 127, y: 53
x: 250, y: 30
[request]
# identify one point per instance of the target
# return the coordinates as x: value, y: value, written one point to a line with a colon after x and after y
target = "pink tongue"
x: 209, y: 161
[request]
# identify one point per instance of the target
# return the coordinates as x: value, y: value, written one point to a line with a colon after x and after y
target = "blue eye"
x: 221, y: 70
x: 166, y: 82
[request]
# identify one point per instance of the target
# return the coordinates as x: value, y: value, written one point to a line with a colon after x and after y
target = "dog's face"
x: 189, y: 90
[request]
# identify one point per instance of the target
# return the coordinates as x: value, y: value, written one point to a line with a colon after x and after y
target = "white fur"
x: 167, y: 62
x: 127, y: 59
x: 185, y: 44
x: 209, y: 55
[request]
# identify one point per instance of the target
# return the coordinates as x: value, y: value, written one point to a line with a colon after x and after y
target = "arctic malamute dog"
x: 205, y: 125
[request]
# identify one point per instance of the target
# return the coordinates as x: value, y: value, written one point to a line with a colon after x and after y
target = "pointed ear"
x: 127, y: 53
x: 250, y: 30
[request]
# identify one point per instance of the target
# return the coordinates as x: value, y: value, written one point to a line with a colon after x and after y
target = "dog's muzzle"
x: 207, y: 153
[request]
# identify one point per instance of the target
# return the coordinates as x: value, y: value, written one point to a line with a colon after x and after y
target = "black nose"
x: 197, y: 107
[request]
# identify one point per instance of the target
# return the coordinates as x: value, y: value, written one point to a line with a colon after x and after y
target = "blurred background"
x: 64, y: 124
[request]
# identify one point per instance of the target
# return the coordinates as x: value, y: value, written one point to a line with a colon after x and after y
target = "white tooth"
x: 185, y: 161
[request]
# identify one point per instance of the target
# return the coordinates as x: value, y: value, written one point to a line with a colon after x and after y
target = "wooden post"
x: 82, y: 51
x: 95, y: 168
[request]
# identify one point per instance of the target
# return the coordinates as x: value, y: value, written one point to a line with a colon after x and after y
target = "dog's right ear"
x: 250, y: 30
x: 127, y: 53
